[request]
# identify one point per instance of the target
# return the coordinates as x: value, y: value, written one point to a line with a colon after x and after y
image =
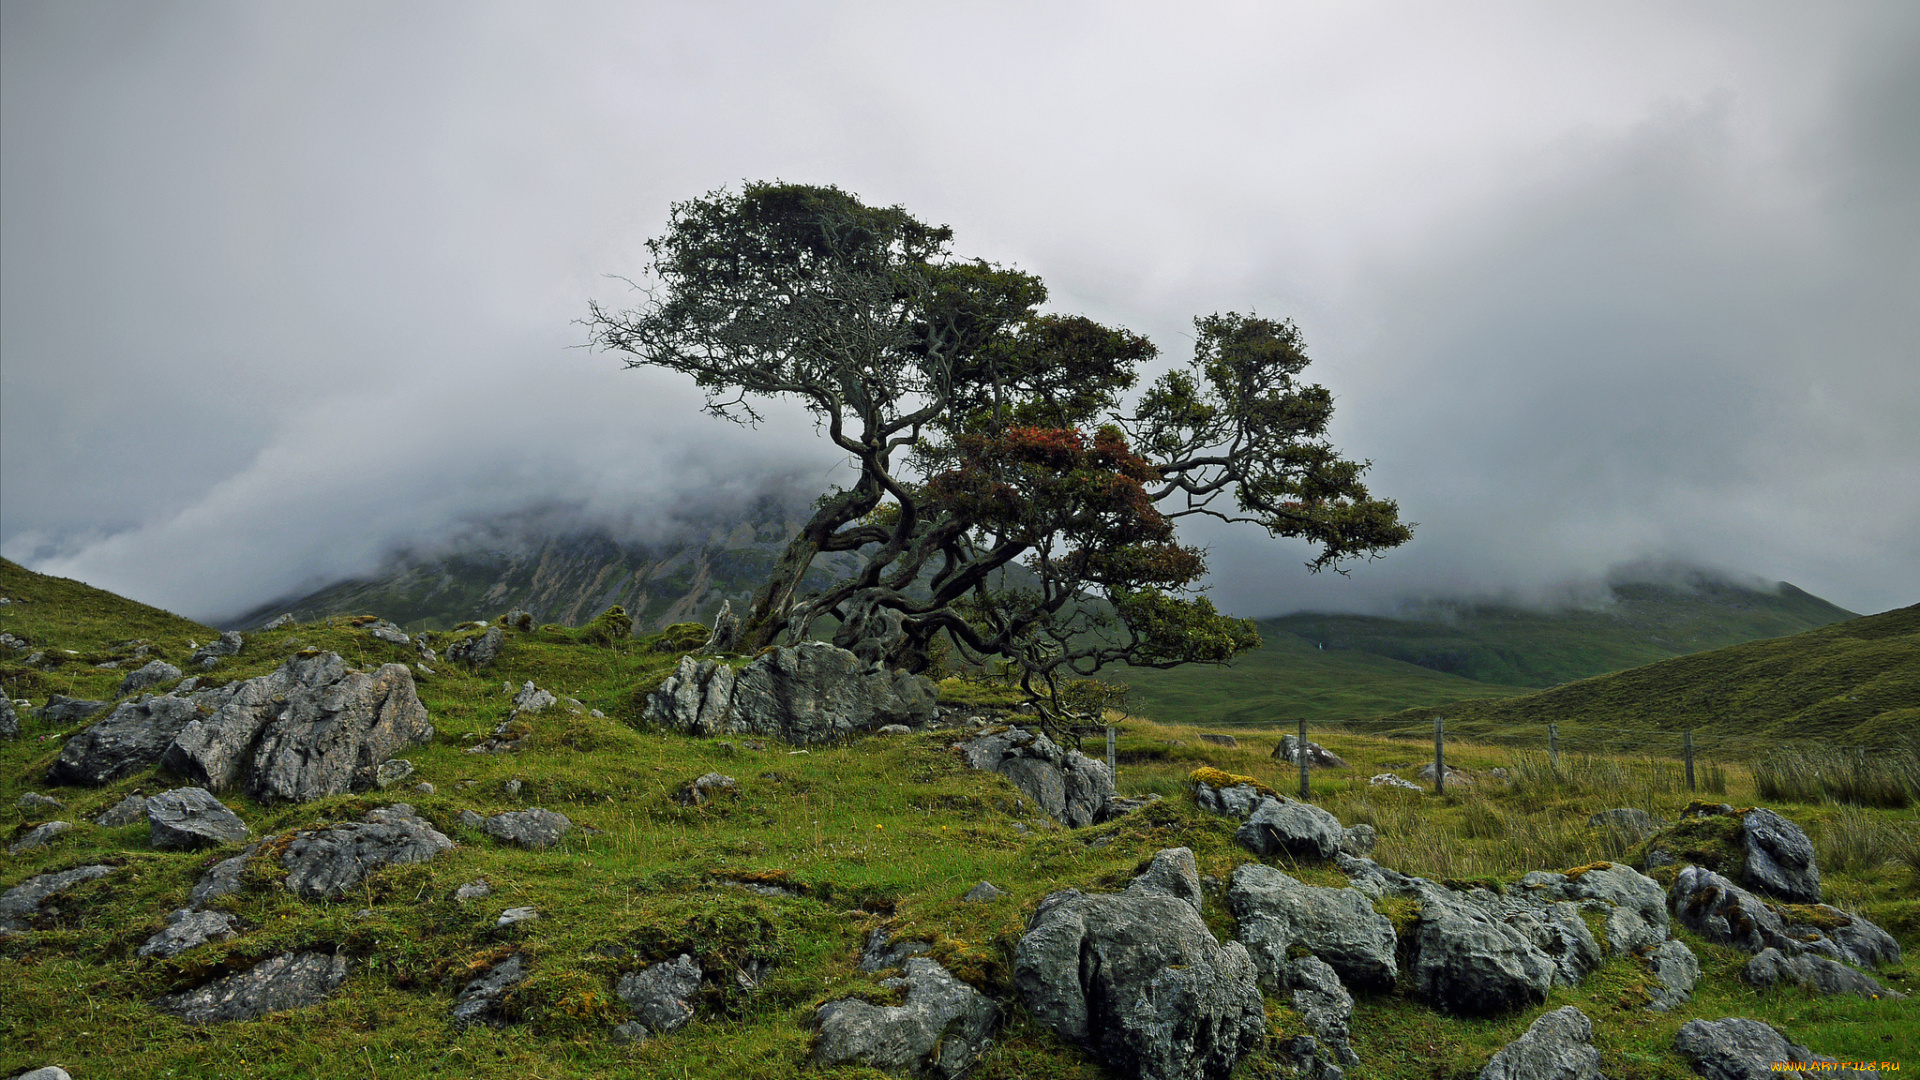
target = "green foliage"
x: 611, y: 625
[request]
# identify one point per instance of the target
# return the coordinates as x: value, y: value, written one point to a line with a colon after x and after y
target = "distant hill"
x: 1854, y: 683
x: 567, y: 578
x: 45, y: 610
x: 1322, y: 667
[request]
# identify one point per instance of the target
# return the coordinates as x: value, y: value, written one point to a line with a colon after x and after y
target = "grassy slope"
x: 1853, y: 683
x: 877, y: 833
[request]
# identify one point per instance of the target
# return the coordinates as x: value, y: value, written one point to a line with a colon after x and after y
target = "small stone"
x: 473, y: 890
x: 191, y: 817
x: 392, y: 771
x: 472, y: 820
x: 513, y: 916
x: 532, y: 699
x: 893, y: 729
x: 984, y: 892
x: 535, y: 829
x: 280, y: 622
x: 153, y: 674
x: 33, y: 803
x: 660, y: 994
x: 1220, y: 740
x: 45, y: 1072
x: 630, y: 1032
x: 125, y: 812
x: 513, y: 788
x: 424, y: 788
x: 479, y: 1000
x: 701, y: 791
x: 187, y: 929
x: 39, y: 836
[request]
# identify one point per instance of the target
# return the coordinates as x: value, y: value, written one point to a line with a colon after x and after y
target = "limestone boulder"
x: 1276, y: 913
x: 1138, y: 979
x: 1740, y: 1049
x: 479, y: 1000
x: 1288, y: 827
x: 1557, y: 1046
x: 478, y: 651
x: 9, y: 718
x: 1069, y: 786
x: 131, y: 738
x: 125, y: 812
x: 1722, y: 912
x: 188, y: 929
x: 1318, y: 757
x: 1780, y: 857
x: 810, y: 693
x: 291, y: 980
x: 39, y: 836
x: 61, y: 709
x: 152, y: 673
x: 191, y: 817
x: 536, y: 829
x: 208, y: 656
x: 1675, y: 972
x: 323, y: 864
x: 939, y: 1031
x: 1770, y: 967
x: 1466, y: 961
x: 1324, y: 1006
x: 661, y: 995
x: 1635, y: 904
x: 22, y: 903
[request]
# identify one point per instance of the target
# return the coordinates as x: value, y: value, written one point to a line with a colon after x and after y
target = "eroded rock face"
x: 191, y: 817
x: 1771, y: 967
x: 1636, y: 904
x: 1324, y: 1006
x: 1466, y: 962
x: 21, y: 903
x: 125, y: 812
x: 1558, y: 1046
x: 131, y: 738
x: 1675, y: 971
x: 1137, y: 978
x: 479, y: 1000
x: 1284, y: 826
x: 1069, y: 786
x: 1722, y: 912
x: 288, y: 981
x: 1740, y: 1049
x: 1339, y: 926
x: 1780, y: 859
x: 939, y: 1031
x: 324, y: 863
x: 810, y: 693
x: 660, y: 995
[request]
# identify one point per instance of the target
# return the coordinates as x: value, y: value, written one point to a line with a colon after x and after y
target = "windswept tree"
x: 987, y: 434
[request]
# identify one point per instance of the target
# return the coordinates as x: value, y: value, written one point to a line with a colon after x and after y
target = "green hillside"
x: 772, y: 890
x: 1855, y: 683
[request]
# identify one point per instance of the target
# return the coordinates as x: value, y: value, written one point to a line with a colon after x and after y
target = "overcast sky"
x: 283, y: 285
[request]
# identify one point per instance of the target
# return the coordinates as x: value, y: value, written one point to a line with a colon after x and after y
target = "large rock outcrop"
x: 1071, y: 787
x: 810, y: 693
x: 1137, y: 978
x: 1780, y: 858
x: 1277, y: 913
x: 310, y: 729
x: 938, y: 1032
x: 1724, y: 913
x: 1558, y: 1046
x: 1740, y: 1049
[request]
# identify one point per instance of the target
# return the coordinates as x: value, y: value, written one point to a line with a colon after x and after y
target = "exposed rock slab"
x: 1339, y: 926
x: 1069, y: 786
x: 810, y: 693
x: 188, y: 929
x: 207, y: 656
x: 131, y: 738
x: 61, y: 709
x: 39, y: 836
x: 1137, y: 978
x: 1675, y: 971
x: 478, y: 651
x: 479, y: 1000
x: 1780, y: 858
x: 1558, y: 1046
x: 535, y: 829
x: 152, y: 673
x: 1740, y: 1049
x: 661, y: 995
x: 939, y: 1031
x: 1285, y: 826
x: 291, y: 980
x: 125, y: 812
x: 324, y: 863
x: 22, y: 902
x: 191, y: 817
x: 1771, y: 967
x: 1324, y: 1006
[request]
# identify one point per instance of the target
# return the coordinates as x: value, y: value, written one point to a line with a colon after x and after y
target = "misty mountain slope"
x: 1855, y: 683
x: 1325, y: 667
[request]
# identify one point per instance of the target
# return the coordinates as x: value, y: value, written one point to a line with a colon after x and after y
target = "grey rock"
x: 514, y: 916
x: 479, y: 1000
x: 726, y: 631
x: 222, y: 879
x: 1465, y: 961
x: 152, y: 673
x: 1557, y: 1046
x: 1171, y: 872
x: 1324, y: 1006
x: 1675, y: 971
x: 472, y: 820
x: 473, y: 890
x: 811, y: 693
x: 1724, y: 913
x: 191, y: 817
x: 882, y: 952
x: 207, y: 656
x: 534, y: 829
x: 39, y: 836
x: 1137, y: 978
x: 1628, y: 821
x: 45, y: 1072
x: 478, y: 651
x: 1635, y: 905
x: 336, y: 728
x: 1770, y: 967
x: 532, y: 699
x: 1069, y: 786
x: 1358, y: 839
x: 939, y: 1031
x: 22, y: 902
x: 1454, y: 776
x: 392, y: 771
x: 660, y: 994
x: 633, y: 1031
x: 983, y: 893
x: 1780, y: 859
x: 187, y: 929
x: 512, y: 788
x: 1739, y: 1049
x: 1220, y: 740
x: 61, y: 709
x: 424, y: 788
x: 1375, y: 880
x: 35, y: 803
x: 1284, y: 826
x: 704, y: 789
x: 1839, y: 935
x: 388, y: 632
x: 1275, y: 912
x: 9, y: 718
x: 893, y: 729
x: 324, y: 863
x: 1389, y: 780
x: 1318, y: 757
x: 283, y: 620
x: 1304, y: 1059
x: 1237, y: 802
x: 291, y: 980
x: 131, y: 738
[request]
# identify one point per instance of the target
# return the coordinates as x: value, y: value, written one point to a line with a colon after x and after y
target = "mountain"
x: 1325, y: 667
x: 1853, y: 683
x: 566, y: 577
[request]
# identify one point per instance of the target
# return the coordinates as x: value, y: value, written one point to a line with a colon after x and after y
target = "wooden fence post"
x: 1553, y: 746
x: 1439, y: 755
x: 1300, y: 751
x: 1686, y: 745
x: 1113, y: 765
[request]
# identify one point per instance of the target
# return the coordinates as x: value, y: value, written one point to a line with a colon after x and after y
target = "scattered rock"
x: 893, y: 729
x: 473, y: 890
x: 1467, y: 961
x: 9, y: 719
x: 1630, y: 822
x: 191, y: 817
x: 1304, y: 1059
x: 1635, y: 905
x: 45, y: 1072
x: 517, y: 620
x: 1558, y: 1046
x: 280, y: 621
x: 1324, y: 1006
x: 1454, y: 776
x: 1740, y: 1049
x: 1137, y: 978
x: 1318, y: 757
x: 534, y: 829
x: 1838, y: 935
x: 324, y: 863
x: 130, y: 739
x: 1300, y: 829
x: 223, y: 878
x: 810, y: 693
x: 703, y: 790
x: 1237, y: 801
x: 1276, y: 913
x: 1780, y: 858
x: 477, y: 651
x: 35, y: 803
x: 532, y: 699
x: 984, y: 892
x: 479, y: 1000
x: 1359, y: 839
x: 940, y: 1031
x: 187, y: 929
x: 1387, y: 779
x: 392, y: 771
x: 61, y: 709
x: 288, y: 981
x: 1069, y: 786
x: 424, y: 788
x: 1675, y: 971
x: 660, y: 994
x: 1819, y: 974
x: 22, y: 902
x: 153, y: 673
x: 39, y: 836
x: 1724, y: 913
x: 884, y: 952
x: 207, y: 656
x: 514, y: 916
x: 512, y: 788
x: 1220, y: 740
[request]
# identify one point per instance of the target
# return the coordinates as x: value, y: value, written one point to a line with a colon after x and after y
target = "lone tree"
x: 988, y: 434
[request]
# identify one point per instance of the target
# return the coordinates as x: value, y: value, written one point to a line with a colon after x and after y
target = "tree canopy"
x: 988, y: 434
